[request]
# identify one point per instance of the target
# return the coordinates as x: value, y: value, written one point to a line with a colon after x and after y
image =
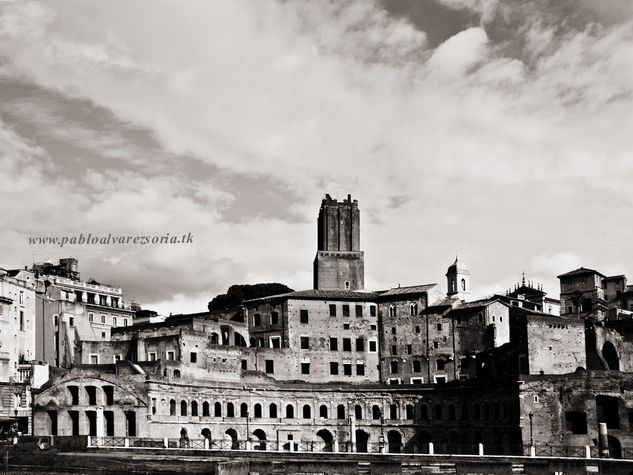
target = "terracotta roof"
x: 615, y: 277
x: 412, y: 289
x: 580, y: 271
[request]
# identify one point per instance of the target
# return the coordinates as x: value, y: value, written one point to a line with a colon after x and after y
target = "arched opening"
x: 176, y: 374
x: 217, y: 409
x: 307, y: 412
x: 272, y: 410
x: 615, y: 449
x: 463, y: 284
x: 340, y: 411
x: 243, y: 410
x: 194, y: 408
x: 258, y: 411
x: 215, y: 338
x: 230, y: 409
x: 231, y: 436
x: 410, y: 412
x: 610, y: 356
x: 205, y: 409
x: 184, y: 438
x: 420, y: 443
x: 327, y: 438
x: 172, y: 408
x: 361, y: 440
x: 253, y: 342
x: 290, y: 411
x: 375, y: 413
x: 358, y: 412
x: 206, y: 433
x: 261, y: 438
x: 183, y: 408
x: 323, y: 411
x: 394, y: 440
x: 239, y: 339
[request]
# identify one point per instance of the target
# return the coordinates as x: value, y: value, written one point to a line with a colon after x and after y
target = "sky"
x: 500, y: 131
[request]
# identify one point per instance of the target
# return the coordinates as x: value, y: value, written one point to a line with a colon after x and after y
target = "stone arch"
x: 394, y: 441
x: 307, y: 411
x: 231, y: 434
x: 261, y: 437
x: 358, y: 412
x: 230, y: 409
x: 205, y: 409
x: 206, y: 433
x: 217, y: 409
x: 290, y: 411
x: 615, y: 448
x: 183, y: 408
x: 327, y: 438
x: 323, y: 411
x: 272, y: 411
x: 257, y: 409
x: 243, y: 410
x: 375, y: 412
x: 610, y: 356
x: 362, y: 439
x: 340, y: 411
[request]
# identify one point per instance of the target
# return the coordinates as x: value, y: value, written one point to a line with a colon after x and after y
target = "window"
x: 103, y: 318
x: 230, y: 409
x: 170, y: 355
x: 372, y: 346
x: 290, y: 412
x: 360, y: 369
x: 409, y: 349
x: 270, y: 366
x: 244, y: 364
x: 94, y: 359
x: 347, y: 344
x: 333, y: 344
x: 480, y: 317
x: 307, y: 411
x: 305, y: 368
x: 417, y: 366
x: 272, y: 410
x: 176, y: 374
x: 333, y: 367
x: 194, y: 408
x: 436, y: 344
x: 393, y: 411
x: 21, y: 297
x: 410, y: 412
x: 359, y: 310
x: 125, y: 322
x: 394, y: 367
x: 323, y: 411
x: 393, y: 330
x: 103, y: 335
x: 372, y: 327
x: 274, y: 318
x: 152, y: 356
x: 91, y: 317
x: 463, y: 284
x: 437, y: 412
x: 394, y: 350
x: 392, y: 310
x: 205, y: 409
x: 347, y: 286
x: 258, y: 411
x: 114, y: 321
x: 417, y: 328
x: 92, y: 395
x: 347, y: 369
x: 257, y: 320
x: 172, y: 408
x: 439, y: 365
x: 346, y: 310
x: 332, y: 310
x: 345, y: 326
x: 243, y: 410
x: 193, y: 357
x: 183, y: 408
x: 21, y: 320
x: 303, y: 316
x: 360, y: 344
x: 340, y: 411
x: 274, y: 342
x: 576, y: 422
x: 305, y: 343
x: 413, y: 309
x: 372, y: 311
x: 217, y: 409
x: 439, y: 327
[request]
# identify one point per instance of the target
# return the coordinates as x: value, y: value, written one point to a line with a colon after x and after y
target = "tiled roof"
x: 314, y: 294
x: 580, y: 271
x: 412, y: 289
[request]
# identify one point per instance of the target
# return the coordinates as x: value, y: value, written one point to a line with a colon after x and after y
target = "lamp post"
x: 248, y: 432
x: 530, y: 415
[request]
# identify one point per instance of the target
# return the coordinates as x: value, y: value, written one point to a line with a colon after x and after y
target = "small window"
x: 125, y: 322
x: 394, y: 350
x: 152, y: 356
x: 392, y: 310
x: 303, y: 316
x: 257, y: 320
x: 360, y: 344
x: 439, y: 365
x: 274, y: 318
x: 114, y: 321
x: 394, y: 367
x: 346, y: 310
x: 103, y: 335
x: 372, y: 346
x: 576, y: 422
x: 305, y: 343
x: 413, y: 309
x: 360, y: 369
x: 372, y: 327
x: 436, y: 344
x: 347, y: 369
x: 333, y: 344
x: 393, y: 330
x: 439, y: 327
x: 332, y: 310
x: 305, y: 368
x: 270, y: 367
x: 103, y: 318
x: 372, y: 311
x: 244, y: 364
x: 347, y: 344
x: 347, y: 285
x: 417, y: 366
x: 170, y: 355
x: 333, y: 367
x: 71, y: 321
x: 91, y: 317
x: 274, y: 342
x: 417, y: 328
x: 193, y: 357
x: 409, y: 349
x: 359, y: 310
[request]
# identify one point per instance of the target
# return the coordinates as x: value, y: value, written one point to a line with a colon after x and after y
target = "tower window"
x: 463, y: 284
x: 347, y: 286
x: 392, y: 310
x: 303, y: 316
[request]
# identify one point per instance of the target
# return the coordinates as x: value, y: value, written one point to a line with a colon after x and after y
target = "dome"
x: 457, y: 267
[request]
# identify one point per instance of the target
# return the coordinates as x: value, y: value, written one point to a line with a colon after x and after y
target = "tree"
x: 236, y: 294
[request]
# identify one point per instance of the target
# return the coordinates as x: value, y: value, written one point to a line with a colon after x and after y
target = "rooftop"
x: 581, y: 271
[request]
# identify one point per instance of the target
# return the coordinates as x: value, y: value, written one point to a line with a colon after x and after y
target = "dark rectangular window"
x: 257, y: 320
x: 347, y: 344
x: 576, y: 422
x: 346, y: 310
x: 372, y: 346
x: 305, y: 368
x: 372, y: 310
x: 21, y: 320
x: 347, y: 369
x: 303, y: 316
x: 270, y: 366
x: 333, y: 368
x: 108, y: 391
x: 439, y: 327
x: 393, y: 330
x: 274, y: 318
x: 360, y: 369
x: 360, y: 344
x: 332, y: 310
x: 394, y: 367
x: 394, y: 350
x: 608, y: 411
x: 359, y: 310
x: 436, y: 344
x: 333, y: 344
x: 409, y: 349
x: 193, y: 357
x: 244, y: 364
x: 305, y: 343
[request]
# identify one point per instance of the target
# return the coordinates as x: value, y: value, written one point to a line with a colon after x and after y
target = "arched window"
x: 410, y: 411
x: 243, y: 410
x: 323, y: 411
x: 176, y: 373
x: 205, y: 409
x: 172, y: 408
x: 258, y: 411
x: 413, y: 309
x: 230, y: 409
x: 393, y: 411
x: 464, y: 284
x: 375, y: 412
x: 194, y: 408
x: 183, y: 408
x: 272, y: 410
x: 290, y: 411
x: 392, y: 310
x: 217, y: 409
x: 453, y: 285
x: 307, y: 411
x: 437, y: 411
x: 358, y: 412
x: 340, y: 411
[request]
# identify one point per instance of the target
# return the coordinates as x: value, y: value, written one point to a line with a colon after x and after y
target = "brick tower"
x: 339, y: 262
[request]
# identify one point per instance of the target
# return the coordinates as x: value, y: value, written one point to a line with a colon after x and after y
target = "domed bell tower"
x: 458, y: 280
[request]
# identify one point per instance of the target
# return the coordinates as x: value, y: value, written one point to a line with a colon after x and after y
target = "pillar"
x: 100, y: 422
x: 587, y: 452
x: 352, y: 432
x: 166, y: 442
x: 603, y: 442
x: 431, y: 448
x: 206, y: 443
x: 335, y: 447
x: 532, y: 451
x: 481, y: 449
